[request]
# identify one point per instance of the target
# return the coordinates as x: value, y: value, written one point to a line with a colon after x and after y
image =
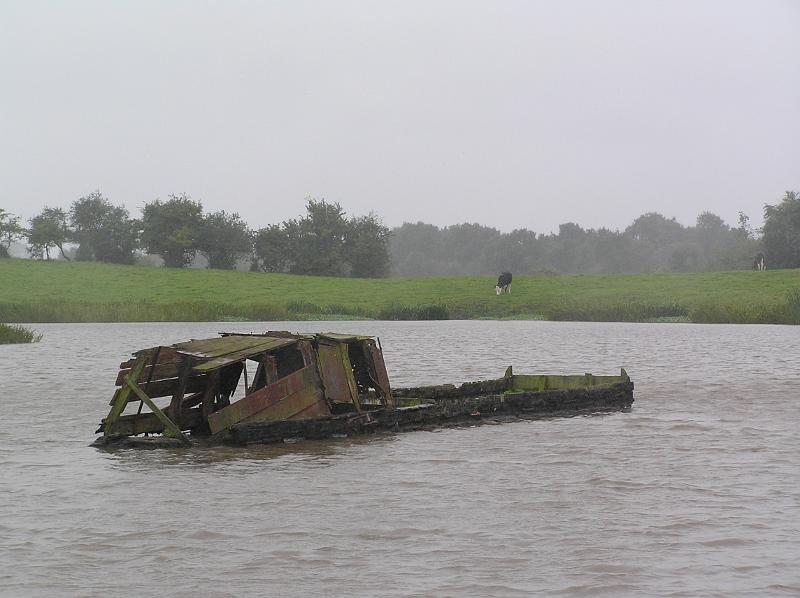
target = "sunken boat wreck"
x: 243, y: 389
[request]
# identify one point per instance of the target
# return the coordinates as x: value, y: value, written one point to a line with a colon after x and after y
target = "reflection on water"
x: 693, y: 492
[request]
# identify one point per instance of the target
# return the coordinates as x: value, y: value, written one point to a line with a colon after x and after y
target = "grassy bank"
x: 87, y: 292
x: 11, y: 334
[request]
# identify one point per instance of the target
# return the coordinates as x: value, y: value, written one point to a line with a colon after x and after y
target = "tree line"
x: 326, y: 242
x: 651, y: 243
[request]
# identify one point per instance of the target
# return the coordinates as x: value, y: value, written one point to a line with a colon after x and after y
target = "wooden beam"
x: 270, y: 369
x: 209, y: 394
x: 170, y: 429
x: 176, y: 405
x: 121, y: 396
x: 148, y: 423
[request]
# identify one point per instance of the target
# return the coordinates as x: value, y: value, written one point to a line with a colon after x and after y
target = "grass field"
x: 32, y: 291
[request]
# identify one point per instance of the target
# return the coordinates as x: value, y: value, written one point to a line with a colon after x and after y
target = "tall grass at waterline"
x: 140, y: 311
x: 304, y: 309
x: 10, y: 334
x: 617, y: 311
x: 435, y: 311
x: 787, y: 312
x: 33, y: 291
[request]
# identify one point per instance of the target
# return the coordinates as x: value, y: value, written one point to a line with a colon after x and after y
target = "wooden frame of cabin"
x: 286, y: 377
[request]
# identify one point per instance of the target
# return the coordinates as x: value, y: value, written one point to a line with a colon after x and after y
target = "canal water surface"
x: 694, y: 492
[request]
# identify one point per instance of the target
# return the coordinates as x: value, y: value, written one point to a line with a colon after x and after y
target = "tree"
x: 464, y: 246
x: 271, y: 249
x: 48, y: 229
x: 104, y: 233
x: 415, y: 249
x: 317, y: 248
x: 324, y: 243
x: 744, y: 227
x: 171, y: 229
x: 10, y: 231
x: 654, y: 238
x: 223, y: 239
x: 652, y: 227
x: 686, y: 257
x: 518, y: 252
x: 782, y: 232
x: 366, y: 247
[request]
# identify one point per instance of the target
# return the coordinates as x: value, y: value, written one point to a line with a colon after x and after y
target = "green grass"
x: 10, y: 334
x: 33, y: 291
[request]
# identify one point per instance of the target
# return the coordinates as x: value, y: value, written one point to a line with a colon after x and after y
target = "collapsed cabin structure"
x: 247, y: 388
x: 286, y: 377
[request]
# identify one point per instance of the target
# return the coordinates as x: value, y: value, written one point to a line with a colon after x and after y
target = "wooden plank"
x: 337, y: 374
x: 210, y: 393
x: 148, y: 423
x: 343, y: 338
x: 214, y: 348
x: 306, y: 402
x: 307, y: 351
x: 263, y: 398
x: 377, y: 371
x: 235, y: 356
x: 166, y: 353
x: 199, y: 346
x: 170, y: 429
x: 161, y: 371
x: 351, y: 381
x: 270, y: 369
x: 122, y: 395
x: 166, y: 388
x: 175, y: 405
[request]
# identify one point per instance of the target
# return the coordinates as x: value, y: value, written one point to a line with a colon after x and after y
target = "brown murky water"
x: 695, y: 492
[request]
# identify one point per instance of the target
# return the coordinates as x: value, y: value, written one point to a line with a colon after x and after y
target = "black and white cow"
x: 503, y: 283
x: 760, y: 263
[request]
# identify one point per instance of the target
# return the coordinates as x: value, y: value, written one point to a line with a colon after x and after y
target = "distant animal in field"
x: 503, y: 283
x: 760, y: 263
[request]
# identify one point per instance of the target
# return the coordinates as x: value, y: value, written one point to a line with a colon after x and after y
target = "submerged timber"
x: 296, y: 386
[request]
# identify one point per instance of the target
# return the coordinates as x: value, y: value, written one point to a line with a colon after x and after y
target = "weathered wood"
x: 210, y: 393
x: 159, y: 372
x: 444, y: 412
x: 377, y: 371
x: 120, y: 399
x: 337, y: 374
x: 306, y: 402
x: 166, y: 388
x: 149, y: 423
x: 170, y: 429
x: 175, y: 405
x: 301, y: 402
x: 307, y: 351
x: 263, y: 398
x: 166, y: 354
x: 270, y: 368
x: 219, y: 352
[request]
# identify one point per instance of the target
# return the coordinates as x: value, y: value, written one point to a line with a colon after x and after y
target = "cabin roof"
x: 342, y: 338
x: 218, y: 352
x: 212, y: 353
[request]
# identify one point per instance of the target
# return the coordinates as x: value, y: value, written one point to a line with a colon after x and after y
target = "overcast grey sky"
x: 511, y: 114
